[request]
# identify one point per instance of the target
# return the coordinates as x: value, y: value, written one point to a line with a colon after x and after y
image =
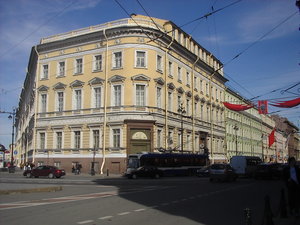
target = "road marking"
x: 123, y: 213
x: 105, y: 217
x: 86, y: 221
x: 139, y: 210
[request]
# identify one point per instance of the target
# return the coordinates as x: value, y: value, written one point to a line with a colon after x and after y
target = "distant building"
x: 247, y: 131
x: 291, y: 132
x: 106, y: 91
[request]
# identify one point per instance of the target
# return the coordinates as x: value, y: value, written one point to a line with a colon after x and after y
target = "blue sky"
x: 272, y: 63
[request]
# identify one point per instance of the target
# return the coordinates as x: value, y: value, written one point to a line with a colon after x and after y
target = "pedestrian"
x: 291, y: 175
x: 73, y: 169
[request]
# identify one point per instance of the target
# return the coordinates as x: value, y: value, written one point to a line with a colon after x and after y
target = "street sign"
x: 15, y: 152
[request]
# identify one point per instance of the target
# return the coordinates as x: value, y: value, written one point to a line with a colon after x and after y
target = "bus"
x: 168, y: 164
x: 245, y: 165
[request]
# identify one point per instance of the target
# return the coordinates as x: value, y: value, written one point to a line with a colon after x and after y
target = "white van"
x: 245, y: 165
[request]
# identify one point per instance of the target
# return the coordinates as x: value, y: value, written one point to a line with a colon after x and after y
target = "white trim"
x: 94, y: 62
x: 74, y: 99
x: 58, y: 68
x: 145, y: 96
x: 111, y: 139
x: 112, y: 103
x: 75, y: 72
x: 145, y: 59
x: 42, y: 77
x: 113, y: 66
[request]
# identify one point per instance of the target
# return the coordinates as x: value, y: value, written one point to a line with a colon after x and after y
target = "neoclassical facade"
x: 100, y: 93
x: 247, y: 131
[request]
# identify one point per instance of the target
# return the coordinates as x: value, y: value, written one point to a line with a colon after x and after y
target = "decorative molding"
x: 171, y: 86
x: 43, y: 88
x: 197, y: 98
x: 59, y: 85
x: 140, y: 77
x: 116, y: 78
x: 159, y: 81
x: 77, y: 83
x: 189, y: 94
x: 95, y: 81
x: 180, y: 90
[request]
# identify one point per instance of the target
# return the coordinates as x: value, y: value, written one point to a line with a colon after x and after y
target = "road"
x: 178, y: 200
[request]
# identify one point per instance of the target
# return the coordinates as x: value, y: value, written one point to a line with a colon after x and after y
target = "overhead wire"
x: 35, y: 30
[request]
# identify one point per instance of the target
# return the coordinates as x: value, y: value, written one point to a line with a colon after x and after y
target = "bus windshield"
x: 133, y: 162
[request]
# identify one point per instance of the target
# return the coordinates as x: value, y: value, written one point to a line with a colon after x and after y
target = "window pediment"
x: 95, y: 81
x: 180, y: 90
x: 59, y: 85
x: 159, y: 81
x: 140, y: 77
x: 171, y: 86
x: 189, y: 94
x: 76, y: 83
x: 116, y: 78
x: 43, y: 88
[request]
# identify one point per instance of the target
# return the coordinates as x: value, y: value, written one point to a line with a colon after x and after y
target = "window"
x: 188, y: 142
x: 188, y: 107
x: 117, y: 59
x: 201, y: 112
x: 188, y: 81
x: 58, y: 140
x: 96, y: 139
x: 179, y: 38
x: 206, y: 85
x: 195, y: 108
x: 97, y: 62
x: 179, y: 140
x: 158, y: 97
x: 179, y: 74
x: 170, y: 101
x: 117, y: 95
x: 140, y: 59
x: 78, y: 66
x: 76, y: 139
x: 97, y: 97
x: 45, y: 72
x: 158, y: 138
x: 116, y: 138
x: 201, y: 85
x: 43, y: 103
x: 61, y: 69
x: 178, y: 101
x: 170, y: 69
x: 60, y: 101
x: 42, y: 140
x: 140, y: 95
x: 78, y: 99
x: 195, y: 81
x: 159, y: 63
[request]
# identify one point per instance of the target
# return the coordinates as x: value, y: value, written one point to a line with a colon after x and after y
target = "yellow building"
x: 114, y: 89
x: 247, y: 131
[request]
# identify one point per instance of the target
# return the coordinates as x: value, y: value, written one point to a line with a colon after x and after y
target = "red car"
x: 45, y: 171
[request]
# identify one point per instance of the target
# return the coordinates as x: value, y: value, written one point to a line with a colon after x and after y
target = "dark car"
x: 45, y: 171
x: 146, y: 171
x: 222, y: 172
x: 203, y: 172
x: 268, y: 171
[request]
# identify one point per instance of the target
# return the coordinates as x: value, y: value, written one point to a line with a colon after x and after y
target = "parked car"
x: 45, y: 171
x: 203, y: 172
x: 268, y: 171
x: 222, y: 172
x: 146, y: 171
x: 245, y: 165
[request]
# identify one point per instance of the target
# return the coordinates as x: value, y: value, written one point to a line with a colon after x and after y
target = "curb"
x: 31, y: 190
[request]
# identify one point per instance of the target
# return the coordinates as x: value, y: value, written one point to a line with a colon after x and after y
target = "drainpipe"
x: 105, y: 103
x: 166, y: 95
x: 36, y: 107
x: 193, y: 104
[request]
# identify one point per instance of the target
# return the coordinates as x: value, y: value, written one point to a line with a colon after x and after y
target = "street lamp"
x: 12, y: 116
x: 236, y: 139
x: 182, y: 111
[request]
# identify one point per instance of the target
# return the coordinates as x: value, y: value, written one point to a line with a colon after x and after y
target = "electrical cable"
x: 35, y: 30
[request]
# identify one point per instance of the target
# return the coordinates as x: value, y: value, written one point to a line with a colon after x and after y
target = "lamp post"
x: 12, y: 115
x: 182, y: 111
x: 236, y: 139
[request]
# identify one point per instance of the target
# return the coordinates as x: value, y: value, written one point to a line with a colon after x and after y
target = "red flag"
x: 237, y: 107
x: 263, y: 107
x: 272, y: 138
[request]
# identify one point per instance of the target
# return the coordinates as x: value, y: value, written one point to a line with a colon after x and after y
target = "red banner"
x: 272, y: 138
x: 263, y: 107
x: 287, y: 104
x: 237, y: 107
